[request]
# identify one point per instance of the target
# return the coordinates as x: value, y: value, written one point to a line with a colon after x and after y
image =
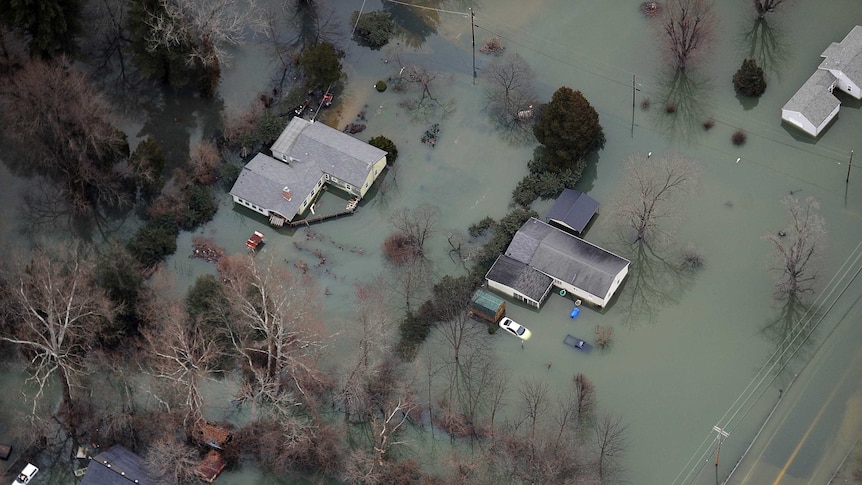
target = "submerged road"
x: 820, y: 416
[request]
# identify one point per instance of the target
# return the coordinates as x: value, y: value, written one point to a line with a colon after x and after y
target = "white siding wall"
x: 795, y: 118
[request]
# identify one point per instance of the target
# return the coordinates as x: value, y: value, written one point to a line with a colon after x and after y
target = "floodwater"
x: 686, y: 347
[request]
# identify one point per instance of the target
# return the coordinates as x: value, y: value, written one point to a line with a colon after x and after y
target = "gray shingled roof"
x: 312, y: 150
x: 338, y: 154
x: 263, y: 178
x: 517, y: 275
x: 565, y: 257
x: 846, y: 56
x: 125, y: 468
x: 573, y: 209
x: 813, y: 100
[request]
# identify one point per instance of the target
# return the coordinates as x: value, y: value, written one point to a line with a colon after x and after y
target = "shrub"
x: 386, y: 145
x: 692, y: 257
x: 670, y: 107
x: 604, y: 334
x: 155, y: 240
x: 373, y: 29
x: 200, y: 209
x: 645, y: 104
x: 749, y: 79
x: 380, y: 86
x: 708, y: 124
x: 413, y: 330
x: 400, y: 248
x: 479, y: 228
x: 738, y: 138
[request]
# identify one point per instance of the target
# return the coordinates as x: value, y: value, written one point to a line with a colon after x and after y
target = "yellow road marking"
x: 813, y: 423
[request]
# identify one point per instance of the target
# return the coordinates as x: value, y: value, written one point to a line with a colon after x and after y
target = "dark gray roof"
x: 519, y: 276
x: 846, y: 56
x: 264, y: 178
x: 116, y: 466
x: 813, y: 100
x: 565, y: 257
x: 573, y: 209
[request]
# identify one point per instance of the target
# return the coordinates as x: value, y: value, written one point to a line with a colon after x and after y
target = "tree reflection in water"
x: 766, y: 44
x: 791, y: 330
x: 683, y: 97
x: 658, y: 276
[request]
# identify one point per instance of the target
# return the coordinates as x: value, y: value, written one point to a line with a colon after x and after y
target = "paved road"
x: 820, y: 416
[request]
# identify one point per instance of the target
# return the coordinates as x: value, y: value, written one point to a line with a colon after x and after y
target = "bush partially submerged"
x: 386, y: 145
x: 738, y: 137
x: 749, y: 79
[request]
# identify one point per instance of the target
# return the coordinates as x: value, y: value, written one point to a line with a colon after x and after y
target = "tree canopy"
x: 568, y: 129
x: 51, y: 25
x: 749, y: 79
x: 321, y: 65
x: 373, y: 29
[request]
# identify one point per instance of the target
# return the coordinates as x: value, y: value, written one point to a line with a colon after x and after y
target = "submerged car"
x: 515, y: 328
x: 26, y: 475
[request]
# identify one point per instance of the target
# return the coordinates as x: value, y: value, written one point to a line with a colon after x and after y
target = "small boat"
x: 327, y: 100
x: 576, y: 343
x: 254, y: 241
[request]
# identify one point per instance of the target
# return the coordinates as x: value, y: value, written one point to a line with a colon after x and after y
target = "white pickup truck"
x: 26, y: 475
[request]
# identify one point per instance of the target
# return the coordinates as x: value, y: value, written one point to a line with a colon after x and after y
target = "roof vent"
x: 285, y: 192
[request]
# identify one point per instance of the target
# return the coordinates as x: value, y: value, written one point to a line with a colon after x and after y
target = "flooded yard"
x: 684, y: 350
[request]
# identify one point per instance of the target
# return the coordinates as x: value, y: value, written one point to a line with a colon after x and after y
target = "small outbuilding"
x: 573, y: 210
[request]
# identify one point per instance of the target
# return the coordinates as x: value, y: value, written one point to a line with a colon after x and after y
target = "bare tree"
x: 418, y: 224
x: 207, y: 27
x: 180, y: 352
x: 798, y: 249
x: 650, y: 186
x: 171, y: 461
x: 687, y: 28
x: 585, y: 396
x: 56, y: 310
x: 611, y: 442
x: 63, y: 127
x: 764, y: 7
x: 278, y: 328
x: 413, y: 79
x: 510, y: 94
x: 534, y: 402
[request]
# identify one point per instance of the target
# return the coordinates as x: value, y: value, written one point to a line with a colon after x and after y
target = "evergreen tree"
x: 749, y: 79
x: 50, y: 25
x: 321, y: 65
x: 568, y: 129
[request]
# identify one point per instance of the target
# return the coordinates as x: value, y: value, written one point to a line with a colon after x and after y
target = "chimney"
x: 285, y: 192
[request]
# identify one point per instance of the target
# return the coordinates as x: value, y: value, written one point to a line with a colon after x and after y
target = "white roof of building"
x: 846, y: 56
x: 814, y: 99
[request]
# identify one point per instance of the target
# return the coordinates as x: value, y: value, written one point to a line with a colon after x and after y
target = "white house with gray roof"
x: 814, y: 106
x: 306, y: 156
x: 541, y: 257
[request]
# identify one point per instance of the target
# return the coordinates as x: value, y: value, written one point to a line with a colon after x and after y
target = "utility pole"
x: 633, y: 105
x: 722, y: 434
x: 850, y: 165
x: 473, y: 32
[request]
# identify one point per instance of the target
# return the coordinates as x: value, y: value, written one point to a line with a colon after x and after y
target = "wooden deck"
x: 315, y: 219
x: 211, y: 467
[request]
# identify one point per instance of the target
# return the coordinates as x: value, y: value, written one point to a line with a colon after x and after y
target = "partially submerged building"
x: 305, y: 157
x: 814, y: 105
x: 115, y: 466
x: 541, y: 257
